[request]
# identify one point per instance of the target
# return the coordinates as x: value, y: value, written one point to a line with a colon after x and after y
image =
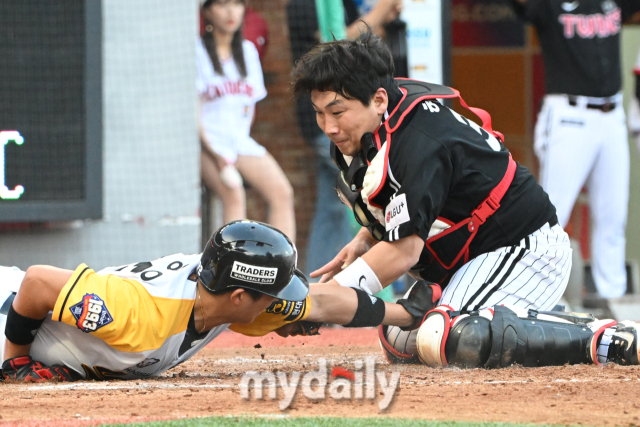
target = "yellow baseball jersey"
x: 131, y: 321
x: 124, y: 322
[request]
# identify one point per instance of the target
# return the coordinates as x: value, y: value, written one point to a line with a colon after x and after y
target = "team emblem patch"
x: 254, y: 274
x: 91, y: 313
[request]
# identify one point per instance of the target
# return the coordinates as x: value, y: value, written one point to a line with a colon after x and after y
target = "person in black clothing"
x: 580, y: 135
x: 441, y: 197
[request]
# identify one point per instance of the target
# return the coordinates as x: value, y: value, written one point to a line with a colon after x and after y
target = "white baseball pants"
x: 578, y: 145
x: 533, y: 274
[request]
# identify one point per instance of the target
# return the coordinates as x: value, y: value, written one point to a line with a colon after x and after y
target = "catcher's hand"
x: 421, y: 298
x: 24, y: 368
x: 302, y: 327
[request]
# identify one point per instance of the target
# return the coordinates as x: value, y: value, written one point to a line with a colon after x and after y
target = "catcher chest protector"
x: 450, y: 247
x: 499, y: 337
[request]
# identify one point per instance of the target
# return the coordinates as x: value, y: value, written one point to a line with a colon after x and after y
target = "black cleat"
x: 624, y: 349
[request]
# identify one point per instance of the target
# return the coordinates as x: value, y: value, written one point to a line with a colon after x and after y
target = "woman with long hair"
x: 230, y: 82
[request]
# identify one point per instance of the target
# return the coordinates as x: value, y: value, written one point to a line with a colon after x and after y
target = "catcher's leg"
x: 399, y: 344
x: 502, y: 336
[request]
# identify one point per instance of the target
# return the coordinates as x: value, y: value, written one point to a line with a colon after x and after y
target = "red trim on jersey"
x: 636, y: 70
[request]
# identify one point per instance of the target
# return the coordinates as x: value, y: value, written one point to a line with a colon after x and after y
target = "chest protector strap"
x: 449, y: 255
x: 452, y: 244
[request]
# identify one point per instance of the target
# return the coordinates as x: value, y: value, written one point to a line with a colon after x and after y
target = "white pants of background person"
x: 578, y: 145
x: 634, y: 118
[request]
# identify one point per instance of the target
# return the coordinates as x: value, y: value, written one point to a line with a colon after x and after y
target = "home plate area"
x: 211, y: 384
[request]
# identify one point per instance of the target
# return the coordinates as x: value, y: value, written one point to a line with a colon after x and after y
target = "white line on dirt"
x: 129, y: 386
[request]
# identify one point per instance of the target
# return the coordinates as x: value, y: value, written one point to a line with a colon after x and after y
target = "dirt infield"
x: 208, y: 385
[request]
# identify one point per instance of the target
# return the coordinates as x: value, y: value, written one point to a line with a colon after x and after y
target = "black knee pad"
x: 502, y: 336
x: 469, y: 342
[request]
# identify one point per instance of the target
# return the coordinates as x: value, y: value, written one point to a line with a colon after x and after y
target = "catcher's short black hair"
x: 355, y: 69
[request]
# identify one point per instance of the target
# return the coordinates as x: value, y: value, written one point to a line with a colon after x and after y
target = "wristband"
x: 21, y: 330
x: 360, y: 276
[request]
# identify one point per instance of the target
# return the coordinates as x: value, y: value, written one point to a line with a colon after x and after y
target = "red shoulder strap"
x: 492, y: 202
x: 449, y: 93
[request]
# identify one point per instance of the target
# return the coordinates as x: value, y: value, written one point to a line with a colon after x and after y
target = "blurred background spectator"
x: 230, y: 82
x: 634, y: 106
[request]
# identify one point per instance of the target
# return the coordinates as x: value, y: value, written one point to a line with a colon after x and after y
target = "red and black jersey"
x: 441, y: 165
x: 580, y: 42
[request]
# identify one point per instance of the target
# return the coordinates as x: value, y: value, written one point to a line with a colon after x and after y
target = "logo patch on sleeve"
x: 396, y: 212
x: 253, y: 274
x: 91, y: 313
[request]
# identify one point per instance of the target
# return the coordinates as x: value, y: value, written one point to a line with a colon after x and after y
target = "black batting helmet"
x: 252, y: 255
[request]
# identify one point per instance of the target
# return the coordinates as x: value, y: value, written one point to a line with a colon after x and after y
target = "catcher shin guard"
x: 397, y: 345
x: 502, y: 336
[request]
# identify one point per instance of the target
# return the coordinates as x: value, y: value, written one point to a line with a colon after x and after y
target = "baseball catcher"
x: 439, y: 196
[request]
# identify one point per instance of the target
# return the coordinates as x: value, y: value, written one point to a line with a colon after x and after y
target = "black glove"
x: 309, y: 328
x: 421, y: 298
x: 24, y: 368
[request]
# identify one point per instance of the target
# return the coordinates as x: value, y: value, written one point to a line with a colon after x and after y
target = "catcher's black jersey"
x: 580, y: 43
x: 441, y: 164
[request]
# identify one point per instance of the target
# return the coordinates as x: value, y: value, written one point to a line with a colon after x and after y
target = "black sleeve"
x: 531, y: 10
x: 424, y: 171
x: 628, y: 7
x: 302, y: 21
x: 638, y: 87
x: 351, y: 13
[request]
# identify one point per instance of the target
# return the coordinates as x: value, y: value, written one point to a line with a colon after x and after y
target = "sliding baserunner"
x: 139, y: 320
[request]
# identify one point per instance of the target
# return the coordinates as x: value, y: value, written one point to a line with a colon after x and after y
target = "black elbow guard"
x: 370, y: 311
x: 21, y: 330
